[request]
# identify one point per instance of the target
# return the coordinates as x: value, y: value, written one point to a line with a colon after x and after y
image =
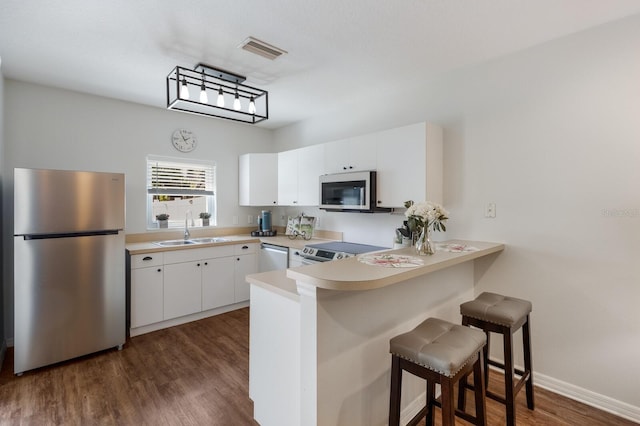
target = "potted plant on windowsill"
x: 205, y: 218
x: 163, y: 220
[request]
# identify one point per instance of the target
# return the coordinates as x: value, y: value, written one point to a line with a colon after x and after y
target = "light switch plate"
x: 490, y: 210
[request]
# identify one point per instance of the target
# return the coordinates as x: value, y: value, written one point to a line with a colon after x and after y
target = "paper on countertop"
x: 391, y: 260
x: 455, y: 248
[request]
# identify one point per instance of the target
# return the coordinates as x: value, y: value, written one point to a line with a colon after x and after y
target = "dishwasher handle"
x: 271, y: 247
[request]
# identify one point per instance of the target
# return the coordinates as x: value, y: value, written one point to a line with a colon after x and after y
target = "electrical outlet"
x: 250, y: 219
x: 235, y: 220
x: 490, y: 210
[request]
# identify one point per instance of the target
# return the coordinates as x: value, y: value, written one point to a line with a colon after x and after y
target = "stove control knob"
x: 339, y: 256
x: 305, y: 250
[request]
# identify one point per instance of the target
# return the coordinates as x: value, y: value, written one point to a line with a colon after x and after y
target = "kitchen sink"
x: 202, y: 240
x: 206, y: 240
x: 172, y: 243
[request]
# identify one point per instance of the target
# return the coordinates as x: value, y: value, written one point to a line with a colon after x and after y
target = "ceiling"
x: 338, y: 50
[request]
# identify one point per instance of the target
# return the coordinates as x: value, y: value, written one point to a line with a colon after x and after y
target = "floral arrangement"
x: 425, y: 214
x: 162, y: 216
x: 205, y: 215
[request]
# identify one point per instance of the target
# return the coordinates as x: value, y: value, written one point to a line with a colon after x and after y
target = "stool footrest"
x: 418, y: 417
x: 495, y: 396
x: 500, y: 365
x: 460, y: 413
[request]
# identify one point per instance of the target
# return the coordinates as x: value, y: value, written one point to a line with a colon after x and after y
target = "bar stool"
x: 495, y: 313
x: 439, y: 352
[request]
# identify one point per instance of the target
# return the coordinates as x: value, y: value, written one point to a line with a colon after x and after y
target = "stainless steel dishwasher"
x: 273, y: 258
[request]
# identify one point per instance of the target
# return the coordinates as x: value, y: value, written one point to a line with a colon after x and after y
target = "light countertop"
x: 353, y: 275
x: 284, y: 241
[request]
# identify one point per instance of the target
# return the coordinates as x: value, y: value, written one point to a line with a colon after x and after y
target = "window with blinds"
x: 185, y: 191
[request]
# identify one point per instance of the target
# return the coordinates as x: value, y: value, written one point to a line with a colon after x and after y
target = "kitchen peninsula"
x: 319, y: 334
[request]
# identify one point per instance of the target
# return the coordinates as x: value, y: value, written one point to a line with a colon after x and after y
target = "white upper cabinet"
x: 408, y: 161
x: 298, y: 176
x: 288, y: 178
x: 350, y: 155
x: 409, y: 164
x: 310, y: 167
x: 258, y: 179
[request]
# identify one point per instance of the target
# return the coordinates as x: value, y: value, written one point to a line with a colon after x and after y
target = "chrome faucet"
x: 187, y: 234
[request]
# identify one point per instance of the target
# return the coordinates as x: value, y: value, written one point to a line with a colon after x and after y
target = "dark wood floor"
x: 193, y: 374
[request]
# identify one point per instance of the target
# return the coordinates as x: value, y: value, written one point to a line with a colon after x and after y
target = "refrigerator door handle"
x: 70, y: 234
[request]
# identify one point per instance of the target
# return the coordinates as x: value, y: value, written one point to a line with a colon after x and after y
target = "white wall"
x: 552, y: 136
x: 2, y: 179
x: 58, y: 129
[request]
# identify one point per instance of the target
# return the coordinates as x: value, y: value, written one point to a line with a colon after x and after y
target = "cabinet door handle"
x: 245, y: 247
x: 147, y: 258
x: 238, y: 259
x: 159, y: 270
x: 206, y: 263
x: 198, y: 264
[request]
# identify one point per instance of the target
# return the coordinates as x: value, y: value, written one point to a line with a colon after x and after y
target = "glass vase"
x: 424, y: 245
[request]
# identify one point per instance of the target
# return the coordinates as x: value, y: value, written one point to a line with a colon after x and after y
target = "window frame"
x: 187, y: 166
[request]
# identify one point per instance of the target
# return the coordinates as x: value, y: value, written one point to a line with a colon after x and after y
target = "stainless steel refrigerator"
x: 69, y: 265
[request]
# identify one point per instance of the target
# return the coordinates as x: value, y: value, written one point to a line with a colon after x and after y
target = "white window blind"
x: 167, y: 177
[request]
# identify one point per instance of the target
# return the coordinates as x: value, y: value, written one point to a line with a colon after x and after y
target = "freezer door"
x: 69, y: 298
x: 62, y: 201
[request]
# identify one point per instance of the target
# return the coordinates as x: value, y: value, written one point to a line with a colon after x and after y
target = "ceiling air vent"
x: 261, y: 48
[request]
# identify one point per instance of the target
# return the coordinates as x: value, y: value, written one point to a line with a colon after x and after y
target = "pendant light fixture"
x: 203, y: 77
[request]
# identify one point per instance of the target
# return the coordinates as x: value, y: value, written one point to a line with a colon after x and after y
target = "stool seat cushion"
x: 497, y: 309
x: 439, y: 345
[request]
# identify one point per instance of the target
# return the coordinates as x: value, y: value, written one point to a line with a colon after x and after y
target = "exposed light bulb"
x: 220, y: 102
x: 252, y: 106
x: 236, y: 103
x: 203, y: 95
x: 203, y: 92
x: 184, y: 90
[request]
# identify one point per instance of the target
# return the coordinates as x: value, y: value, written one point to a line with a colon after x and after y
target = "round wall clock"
x: 184, y: 140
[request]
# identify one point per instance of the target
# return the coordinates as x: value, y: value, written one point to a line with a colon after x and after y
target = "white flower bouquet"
x: 425, y: 214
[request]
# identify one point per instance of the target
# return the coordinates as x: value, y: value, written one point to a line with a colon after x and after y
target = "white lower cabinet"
x: 182, y: 289
x: 245, y: 265
x: 146, y: 296
x: 146, y: 289
x: 218, y: 277
x: 173, y: 287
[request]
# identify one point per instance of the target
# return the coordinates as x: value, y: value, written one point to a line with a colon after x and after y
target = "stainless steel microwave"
x: 354, y: 192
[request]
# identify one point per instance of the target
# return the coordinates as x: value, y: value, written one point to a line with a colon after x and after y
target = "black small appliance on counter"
x: 264, y: 226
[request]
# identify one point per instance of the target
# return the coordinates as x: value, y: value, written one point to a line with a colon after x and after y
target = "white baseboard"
x: 414, y: 407
x: 593, y: 399
x: 133, y: 332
